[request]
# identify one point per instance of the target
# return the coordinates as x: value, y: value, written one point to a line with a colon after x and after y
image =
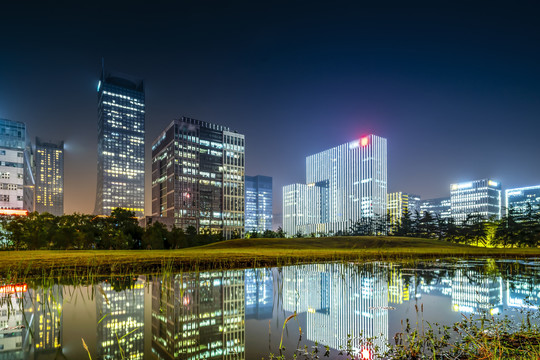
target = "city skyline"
x: 430, y: 98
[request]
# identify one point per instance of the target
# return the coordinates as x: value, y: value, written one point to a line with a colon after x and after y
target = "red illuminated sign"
x: 13, y: 212
x: 12, y: 289
x: 364, y: 141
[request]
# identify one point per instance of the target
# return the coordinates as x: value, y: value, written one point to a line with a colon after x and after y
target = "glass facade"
x: 198, y: 177
x: 398, y: 203
x: 479, y: 197
x: 344, y: 184
x: 436, y: 207
x: 121, y: 121
x: 519, y: 198
x: 258, y: 203
x: 49, y: 176
x: 16, y: 176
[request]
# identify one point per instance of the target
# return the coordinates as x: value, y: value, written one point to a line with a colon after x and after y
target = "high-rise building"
x: 199, y: 316
x: 349, y: 182
x: 436, y: 207
x: 198, y: 176
x: 519, y: 198
x: 49, y: 177
x: 16, y: 176
x: 399, y: 202
x: 121, y: 117
x: 479, y: 197
x: 258, y: 203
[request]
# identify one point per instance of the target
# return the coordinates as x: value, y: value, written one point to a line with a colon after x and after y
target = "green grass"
x: 243, y: 253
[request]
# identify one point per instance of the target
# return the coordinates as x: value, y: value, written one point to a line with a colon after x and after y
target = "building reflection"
x: 341, y: 300
x: 120, y: 316
x: 259, y: 293
x: 199, y: 316
x: 13, y: 333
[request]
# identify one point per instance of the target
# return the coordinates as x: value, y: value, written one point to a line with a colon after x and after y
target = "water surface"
x: 239, y: 314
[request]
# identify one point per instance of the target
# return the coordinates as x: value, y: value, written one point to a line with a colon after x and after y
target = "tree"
x: 280, y: 233
x: 155, y: 236
x: 177, y: 239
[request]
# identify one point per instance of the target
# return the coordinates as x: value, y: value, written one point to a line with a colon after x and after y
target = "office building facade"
x: 398, y: 203
x: 121, y: 121
x: 198, y: 177
x: 344, y: 184
x: 519, y: 199
x: 436, y: 207
x: 479, y: 198
x: 258, y: 203
x: 49, y: 177
x: 16, y: 175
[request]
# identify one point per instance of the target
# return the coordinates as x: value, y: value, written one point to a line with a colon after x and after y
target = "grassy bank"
x: 244, y: 253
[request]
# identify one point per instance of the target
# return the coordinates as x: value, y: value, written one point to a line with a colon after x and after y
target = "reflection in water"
x: 203, y: 315
x: 120, y: 315
x: 339, y: 300
x: 199, y: 316
x: 259, y: 289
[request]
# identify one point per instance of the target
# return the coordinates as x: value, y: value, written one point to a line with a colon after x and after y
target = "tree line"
x: 517, y: 228
x: 120, y: 231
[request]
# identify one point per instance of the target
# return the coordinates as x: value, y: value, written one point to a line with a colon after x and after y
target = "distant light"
x: 98, y: 85
x: 492, y: 183
x: 514, y: 193
x: 364, y: 141
x: 354, y: 144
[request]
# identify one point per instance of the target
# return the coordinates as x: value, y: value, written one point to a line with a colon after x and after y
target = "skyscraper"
x: 198, y: 176
x: 258, y: 203
x: 479, y: 197
x: 349, y: 182
x: 49, y: 160
x: 519, y: 198
x: 16, y: 177
x: 121, y: 117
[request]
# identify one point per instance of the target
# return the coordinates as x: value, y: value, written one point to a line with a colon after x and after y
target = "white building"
x: 478, y: 197
x: 519, y: 198
x: 347, y: 182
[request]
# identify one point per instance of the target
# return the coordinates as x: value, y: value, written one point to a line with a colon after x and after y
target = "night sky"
x: 453, y: 86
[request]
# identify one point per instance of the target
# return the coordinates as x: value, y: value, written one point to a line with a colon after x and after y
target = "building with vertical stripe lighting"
x: 258, y: 203
x: 398, y: 203
x: 344, y: 184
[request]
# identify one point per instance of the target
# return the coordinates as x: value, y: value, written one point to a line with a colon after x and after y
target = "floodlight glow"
x: 492, y: 183
x: 12, y: 289
x: 99, y: 85
x: 366, y: 354
x: 364, y: 141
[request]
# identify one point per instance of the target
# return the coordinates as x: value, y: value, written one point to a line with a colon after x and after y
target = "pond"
x: 240, y: 314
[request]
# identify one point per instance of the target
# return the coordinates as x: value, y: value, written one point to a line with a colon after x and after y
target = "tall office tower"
x: 199, y: 316
x: 352, y: 179
x: 258, y: 203
x: 120, y: 144
x: 120, y: 315
x: 198, y: 177
x: 305, y: 208
x: 399, y: 202
x: 519, y: 199
x: 436, y: 207
x: 16, y: 177
x: 49, y: 176
x: 479, y: 197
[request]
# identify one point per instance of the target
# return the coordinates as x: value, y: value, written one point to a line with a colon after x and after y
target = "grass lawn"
x: 242, y: 253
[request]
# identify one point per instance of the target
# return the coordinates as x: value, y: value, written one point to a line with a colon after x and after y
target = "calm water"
x: 240, y: 314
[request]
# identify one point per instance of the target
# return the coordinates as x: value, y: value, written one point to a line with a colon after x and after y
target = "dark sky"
x: 453, y: 86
